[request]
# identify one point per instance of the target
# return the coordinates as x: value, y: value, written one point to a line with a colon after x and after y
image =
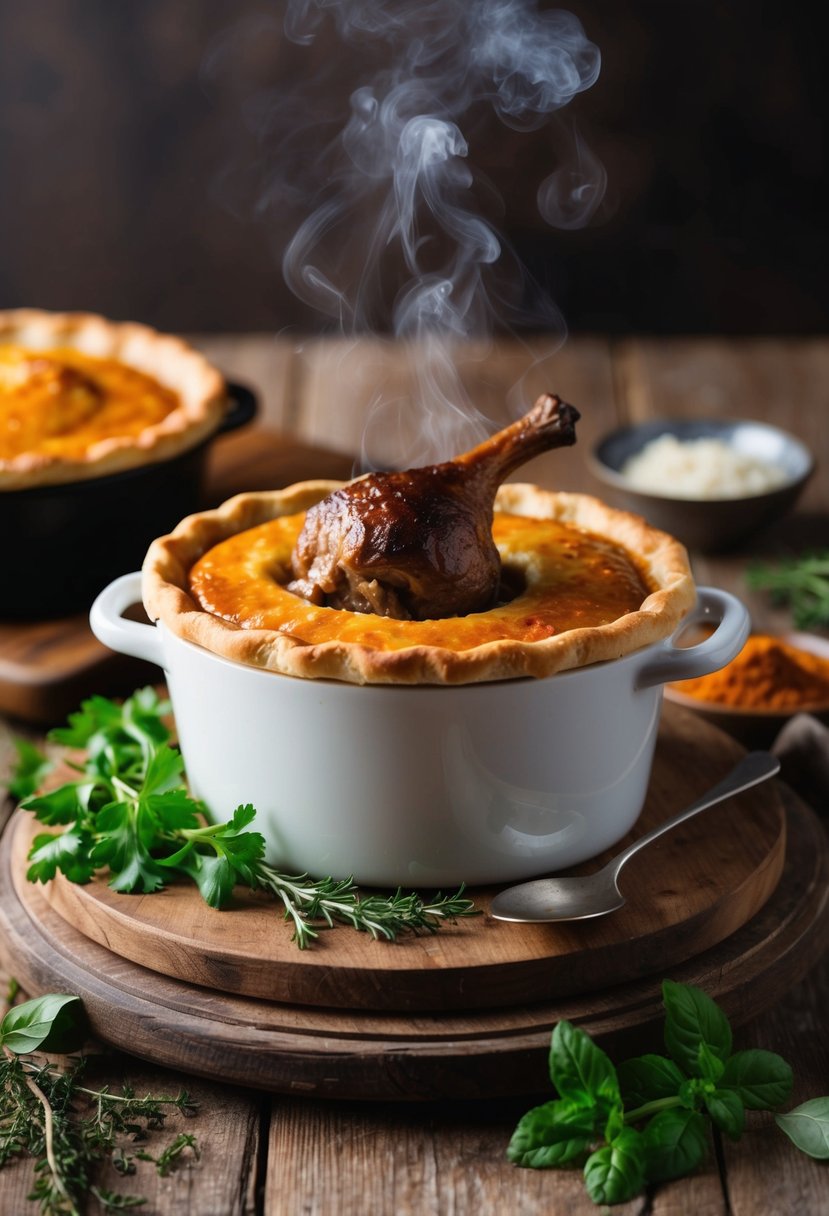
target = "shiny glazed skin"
x: 417, y: 544
x: 423, y: 786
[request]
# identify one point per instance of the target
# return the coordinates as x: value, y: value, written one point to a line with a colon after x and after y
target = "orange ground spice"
x: 767, y: 674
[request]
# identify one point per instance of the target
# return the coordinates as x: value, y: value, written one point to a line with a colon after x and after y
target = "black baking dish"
x: 63, y: 543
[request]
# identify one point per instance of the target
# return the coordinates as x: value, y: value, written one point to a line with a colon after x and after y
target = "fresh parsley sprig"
x: 67, y: 1128
x: 801, y: 583
x: 128, y: 811
x: 648, y: 1121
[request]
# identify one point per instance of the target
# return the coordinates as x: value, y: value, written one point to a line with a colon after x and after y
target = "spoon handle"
x: 751, y: 770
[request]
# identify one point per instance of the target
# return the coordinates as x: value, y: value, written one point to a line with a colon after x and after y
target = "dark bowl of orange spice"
x: 769, y: 681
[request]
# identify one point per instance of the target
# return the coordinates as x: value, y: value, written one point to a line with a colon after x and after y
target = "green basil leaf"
x: 579, y: 1069
x: 693, y: 1018
x: 646, y: 1078
x: 807, y: 1126
x: 675, y: 1142
x: 616, y: 1172
x: 727, y: 1111
x: 709, y: 1066
x: 54, y: 1022
x: 552, y: 1135
x: 761, y: 1078
x: 691, y: 1091
x: 615, y: 1122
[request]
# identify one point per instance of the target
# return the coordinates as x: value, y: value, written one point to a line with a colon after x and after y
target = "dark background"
x: 131, y: 178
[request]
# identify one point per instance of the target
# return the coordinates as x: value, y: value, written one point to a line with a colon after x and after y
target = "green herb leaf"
x: 802, y: 582
x: 173, y: 811
x: 164, y: 772
x: 693, y: 1019
x: 647, y: 1078
x: 42, y: 1116
x: 235, y: 856
x: 214, y: 876
x: 616, y: 1172
x: 242, y: 849
x: 615, y: 1122
x: 95, y: 714
x: 29, y: 771
x: 552, y: 1135
x: 54, y: 1022
x: 675, y: 1142
x: 580, y: 1070
x: 67, y: 851
x: 709, y: 1065
x: 62, y: 805
x: 807, y: 1126
x: 122, y: 847
x: 727, y: 1111
x: 762, y: 1079
x: 692, y: 1091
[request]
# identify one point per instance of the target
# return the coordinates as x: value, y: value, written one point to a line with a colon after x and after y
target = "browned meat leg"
x: 418, y: 544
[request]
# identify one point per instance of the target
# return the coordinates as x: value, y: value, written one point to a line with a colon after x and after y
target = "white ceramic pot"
x: 422, y: 786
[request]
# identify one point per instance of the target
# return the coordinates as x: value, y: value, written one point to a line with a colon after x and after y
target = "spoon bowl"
x: 548, y: 900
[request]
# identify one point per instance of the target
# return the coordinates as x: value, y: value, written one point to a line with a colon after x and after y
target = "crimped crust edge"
x: 166, y: 598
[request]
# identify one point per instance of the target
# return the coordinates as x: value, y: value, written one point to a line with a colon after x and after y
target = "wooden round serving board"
x: 686, y: 893
x: 335, y: 1053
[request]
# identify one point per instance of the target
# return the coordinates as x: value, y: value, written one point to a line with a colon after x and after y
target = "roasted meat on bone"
x: 418, y: 544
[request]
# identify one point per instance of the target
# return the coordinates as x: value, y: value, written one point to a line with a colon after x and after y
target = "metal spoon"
x: 555, y: 899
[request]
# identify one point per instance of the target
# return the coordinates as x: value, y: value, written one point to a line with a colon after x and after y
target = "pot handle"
x: 242, y: 404
x: 110, y: 627
x: 731, y: 628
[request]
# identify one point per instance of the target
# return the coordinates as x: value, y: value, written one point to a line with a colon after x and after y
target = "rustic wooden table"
x: 286, y: 1155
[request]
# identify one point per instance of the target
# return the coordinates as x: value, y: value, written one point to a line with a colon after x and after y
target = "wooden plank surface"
x: 447, y: 1160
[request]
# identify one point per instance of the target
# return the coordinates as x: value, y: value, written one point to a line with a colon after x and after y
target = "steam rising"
x: 395, y: 195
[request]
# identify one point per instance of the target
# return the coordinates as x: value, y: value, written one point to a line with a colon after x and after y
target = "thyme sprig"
x: 129, y: 811
x: 69, y: 1130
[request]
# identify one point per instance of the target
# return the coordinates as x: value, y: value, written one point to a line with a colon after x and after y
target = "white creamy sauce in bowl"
x: 700, y: 469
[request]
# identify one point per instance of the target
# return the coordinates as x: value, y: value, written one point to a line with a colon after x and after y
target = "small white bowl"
x: 707, y: 525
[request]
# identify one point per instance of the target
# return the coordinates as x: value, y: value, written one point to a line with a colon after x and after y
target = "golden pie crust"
x: 378, y: 656
x: 82, y: 397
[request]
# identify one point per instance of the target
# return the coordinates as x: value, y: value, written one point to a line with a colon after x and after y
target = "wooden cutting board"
x: 685, y: 894
x: 48, y: 667
x: 361, y: 1054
